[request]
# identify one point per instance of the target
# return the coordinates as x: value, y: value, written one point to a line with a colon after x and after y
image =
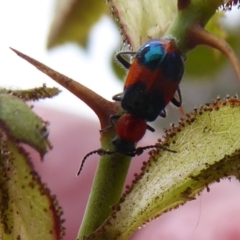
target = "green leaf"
x: 143, y: 20
x: 27, y: 210
x: 208, y: 148
x: 21, y: 124
x: 72, y: 21
x: 33, y: 94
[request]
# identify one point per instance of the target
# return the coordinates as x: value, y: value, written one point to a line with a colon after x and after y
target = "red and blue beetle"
x: 152, y: 81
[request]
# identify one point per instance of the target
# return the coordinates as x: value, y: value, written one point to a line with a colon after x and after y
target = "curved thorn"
x: 102, y: 107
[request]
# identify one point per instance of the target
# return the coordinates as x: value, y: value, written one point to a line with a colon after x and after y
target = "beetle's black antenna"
x: 138, y: 151
x: 99, y: 151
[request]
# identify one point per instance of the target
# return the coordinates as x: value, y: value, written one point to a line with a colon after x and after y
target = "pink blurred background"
x: 74, y: 129
x: 213, y: 216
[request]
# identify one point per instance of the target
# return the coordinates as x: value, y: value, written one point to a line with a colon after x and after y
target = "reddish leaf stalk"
x: 183, y: 4
x: 196, y: 35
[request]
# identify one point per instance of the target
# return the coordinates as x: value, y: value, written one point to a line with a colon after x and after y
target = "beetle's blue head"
x: 151, y: 54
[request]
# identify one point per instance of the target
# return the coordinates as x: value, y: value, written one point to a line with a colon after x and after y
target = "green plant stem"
x: 106, y: 189
x: 196, y: 12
